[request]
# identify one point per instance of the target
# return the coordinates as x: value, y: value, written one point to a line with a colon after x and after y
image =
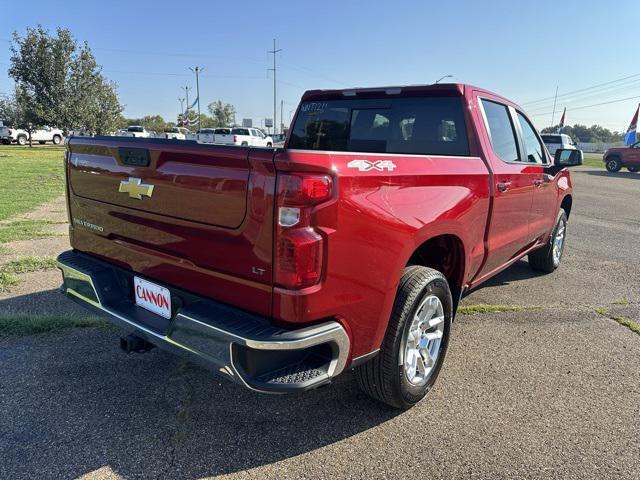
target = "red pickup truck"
x: 618, y: 157
x: 348, y: 248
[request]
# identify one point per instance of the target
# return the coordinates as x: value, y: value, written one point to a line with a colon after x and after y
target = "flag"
x: 561, y: 126
x: 630, y: 136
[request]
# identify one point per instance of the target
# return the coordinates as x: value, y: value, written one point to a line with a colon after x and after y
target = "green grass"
x: 494, y: 308
x: 9, y: 271
x: 22, y: 325
x: 602, y: 311
x: 593, y: 160
x: 4, y: 250
x: 624, y: 321
x: 24, y: 230
x: 621, y: 301
x: 29, y: 177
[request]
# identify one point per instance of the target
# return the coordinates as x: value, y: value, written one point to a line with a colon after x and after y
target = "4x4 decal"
x: 367, y: 166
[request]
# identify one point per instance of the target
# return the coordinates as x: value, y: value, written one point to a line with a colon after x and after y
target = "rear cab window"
x: 430, y: 125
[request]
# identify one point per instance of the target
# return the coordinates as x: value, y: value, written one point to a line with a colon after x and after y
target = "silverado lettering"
x: 348, y: 248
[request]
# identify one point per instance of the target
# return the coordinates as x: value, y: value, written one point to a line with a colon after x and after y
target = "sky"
x: 521, y: 50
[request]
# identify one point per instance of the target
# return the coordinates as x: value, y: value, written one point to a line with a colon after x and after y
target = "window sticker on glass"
x: 310, y: 107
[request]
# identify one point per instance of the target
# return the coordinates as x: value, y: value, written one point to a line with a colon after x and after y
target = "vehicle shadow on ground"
x: 517, y: 272
x: 86, y: 405
x: 620, y: 174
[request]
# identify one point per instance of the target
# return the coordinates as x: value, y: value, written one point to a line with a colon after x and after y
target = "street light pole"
x: 443, y: 77
x: 197, y: 71
x: 274, y: 51
x: 181, y: 100
x: 186, y: 89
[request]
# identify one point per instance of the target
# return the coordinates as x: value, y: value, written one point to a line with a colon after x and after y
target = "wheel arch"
x: 445, y: 253
x: 566, y: 204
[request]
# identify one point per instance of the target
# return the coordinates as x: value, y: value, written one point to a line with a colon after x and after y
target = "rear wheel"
x: 22, y: 139
x: 269, y: 145
x: 633, y: 169
x: 613, y: 164
x: 244, y: 144
x: 56, y: 139
x: 415, y: 344
x: 547, y: 259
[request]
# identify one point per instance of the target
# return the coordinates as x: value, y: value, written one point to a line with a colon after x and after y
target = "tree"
x: 592, y: 134
x: 223, y: 113
x: 59, y: 83
x: 10, y: 114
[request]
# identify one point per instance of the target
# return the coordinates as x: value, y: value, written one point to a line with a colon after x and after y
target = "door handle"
x: 503, y: 186
x: 538, y: 182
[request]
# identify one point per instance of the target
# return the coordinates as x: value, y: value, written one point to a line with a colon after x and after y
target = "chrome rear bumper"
x: 245, y: 348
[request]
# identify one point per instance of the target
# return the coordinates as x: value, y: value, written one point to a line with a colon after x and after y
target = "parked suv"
x: 616, y: 158
x: 558, y: 141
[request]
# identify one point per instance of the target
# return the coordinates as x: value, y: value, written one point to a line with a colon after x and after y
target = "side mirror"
x: 565, y: 157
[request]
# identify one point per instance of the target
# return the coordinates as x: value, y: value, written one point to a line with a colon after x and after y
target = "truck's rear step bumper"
x: 245, y: 348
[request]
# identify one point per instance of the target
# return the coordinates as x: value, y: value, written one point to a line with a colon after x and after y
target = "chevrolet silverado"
x: 349, y: 248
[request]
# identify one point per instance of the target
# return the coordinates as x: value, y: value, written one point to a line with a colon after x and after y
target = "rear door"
x: 512, y: 185
x: 545, y: 196
x: 195, y: 216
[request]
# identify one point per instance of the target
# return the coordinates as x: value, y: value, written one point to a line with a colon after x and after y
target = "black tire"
x: 633, y: 169
x: 543, y: 259
x: 6, y: 142
x: 613, y: 164
x: 244, y: 144
x: 269, y: 145
x: 56, y: 139
x: 21, y: 140
x: 384, y: 377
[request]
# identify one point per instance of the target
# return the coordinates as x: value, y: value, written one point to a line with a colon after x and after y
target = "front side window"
x: 411, y: 125
x: 532, y: 145
x: 503, y: 137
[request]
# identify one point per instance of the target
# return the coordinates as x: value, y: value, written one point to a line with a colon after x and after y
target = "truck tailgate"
x: 196, y: 216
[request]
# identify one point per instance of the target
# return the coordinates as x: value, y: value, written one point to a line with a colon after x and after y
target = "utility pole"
x: 274, y: 51
x: 281, y: 110
x: 197, y: 71
x: 186, y: 89
x: 553, y: 114
x: 181, y: 100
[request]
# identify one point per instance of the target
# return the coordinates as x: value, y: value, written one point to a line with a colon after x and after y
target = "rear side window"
x: 421, y: 125
x: 503, y: 137
x: 240, y: 131
x: 535, y: 150
x: 223, y: 131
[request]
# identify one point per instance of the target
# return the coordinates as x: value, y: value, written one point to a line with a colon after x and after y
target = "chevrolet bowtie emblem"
x: 135, y: 188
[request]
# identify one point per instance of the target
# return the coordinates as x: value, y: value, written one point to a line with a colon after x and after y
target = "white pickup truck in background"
x: 135, y: 131
x: 41, y: 135
x: 176, y: 133
x: 248, y: 137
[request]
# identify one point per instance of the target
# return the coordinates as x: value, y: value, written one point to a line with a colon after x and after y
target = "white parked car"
x: 135, y: 131
x: 176, y: 133
x: 9, y: 135
x: 250, y: 137
x: 557, y: 142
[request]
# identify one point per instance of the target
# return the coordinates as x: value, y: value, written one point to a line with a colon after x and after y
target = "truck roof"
x: 401, y: 90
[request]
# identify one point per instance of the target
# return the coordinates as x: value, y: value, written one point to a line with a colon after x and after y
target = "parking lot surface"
x: 550, y: 392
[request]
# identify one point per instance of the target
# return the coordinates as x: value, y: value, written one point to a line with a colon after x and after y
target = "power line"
x: 573, y: 109
x: 582, y: 89
x: 602, y: 94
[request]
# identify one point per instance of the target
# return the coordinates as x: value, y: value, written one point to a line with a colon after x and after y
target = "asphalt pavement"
x: 547, y: 393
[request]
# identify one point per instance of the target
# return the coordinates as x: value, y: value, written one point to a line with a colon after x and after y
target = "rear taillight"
x: 235, y: 138
x: 10, y: 132
x: 298, y: 246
